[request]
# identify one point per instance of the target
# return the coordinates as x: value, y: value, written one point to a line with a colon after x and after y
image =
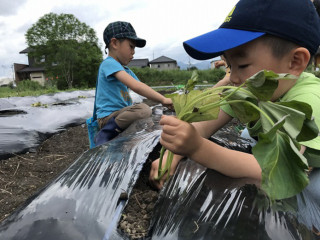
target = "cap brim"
x: 213, y: 44
x: 140, y: 43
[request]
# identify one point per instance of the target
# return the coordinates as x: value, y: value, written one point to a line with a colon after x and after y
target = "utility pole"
x: 13, y: 78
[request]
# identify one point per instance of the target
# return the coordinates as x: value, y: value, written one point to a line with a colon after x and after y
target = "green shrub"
x: 154, y: 77
x: 28, y: 85
x: 62, y: 84
x: 27, y: 88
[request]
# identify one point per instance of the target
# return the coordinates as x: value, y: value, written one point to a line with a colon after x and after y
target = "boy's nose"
x: 234, y: 79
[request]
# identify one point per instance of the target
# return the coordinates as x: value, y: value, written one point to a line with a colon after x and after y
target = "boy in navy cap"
x: 277, y: 35
x: 114, y: 108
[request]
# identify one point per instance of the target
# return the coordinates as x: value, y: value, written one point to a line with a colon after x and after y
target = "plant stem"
x: 168, y: 163
x: 207, y: 94
x: 167, y: 166
x: 160, y: 161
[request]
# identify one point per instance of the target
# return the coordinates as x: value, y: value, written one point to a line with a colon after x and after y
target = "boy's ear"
x: 113, y: 42
x: 299, y: 60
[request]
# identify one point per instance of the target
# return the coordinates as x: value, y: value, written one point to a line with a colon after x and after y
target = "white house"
x: 31, y: 71
x: 163, y: 63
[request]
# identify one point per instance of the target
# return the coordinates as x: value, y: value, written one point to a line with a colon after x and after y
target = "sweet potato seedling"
x: 279, y: 126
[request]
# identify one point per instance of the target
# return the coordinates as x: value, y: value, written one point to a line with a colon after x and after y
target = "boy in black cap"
x: 277, y: 35
x: 114, y: 108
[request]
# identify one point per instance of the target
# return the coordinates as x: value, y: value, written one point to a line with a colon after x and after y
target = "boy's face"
x: 125, y: 51
x: 252, y: 57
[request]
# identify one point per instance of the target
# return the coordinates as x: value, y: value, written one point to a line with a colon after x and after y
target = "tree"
x: 68, y: 47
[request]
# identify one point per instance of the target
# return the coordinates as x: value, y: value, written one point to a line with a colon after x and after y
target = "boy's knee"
x: 145, y: 111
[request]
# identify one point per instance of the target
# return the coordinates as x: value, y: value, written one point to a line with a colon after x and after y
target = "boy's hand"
x: 154, y: 172
x: 167, y: 102
x: 219, y: 63
x: 179, y: 137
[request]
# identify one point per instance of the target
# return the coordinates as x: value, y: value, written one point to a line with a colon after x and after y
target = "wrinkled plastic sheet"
x: 204, y: 204
x: 23, y: 127
x: 200, y: 203
x: 84, y: 202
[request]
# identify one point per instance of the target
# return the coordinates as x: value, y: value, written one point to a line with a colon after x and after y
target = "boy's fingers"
x: 167, y: 138
x: 155, y: 183
x: 169, y: 129
x: 169, y: 120
x: 168, y: 144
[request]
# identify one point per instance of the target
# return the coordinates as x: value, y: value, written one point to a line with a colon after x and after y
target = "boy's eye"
x: 243, y: 66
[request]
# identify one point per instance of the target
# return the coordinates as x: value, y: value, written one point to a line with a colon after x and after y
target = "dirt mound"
x: 24, y: 175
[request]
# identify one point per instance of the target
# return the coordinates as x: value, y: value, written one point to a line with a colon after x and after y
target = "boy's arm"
x: 142, y: 89
x: 191, y: 141
x: 205, y: 130
x: 184, y: 139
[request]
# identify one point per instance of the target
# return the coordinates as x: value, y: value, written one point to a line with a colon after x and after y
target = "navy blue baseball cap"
x: 294, y: 20
x: 122, y: 29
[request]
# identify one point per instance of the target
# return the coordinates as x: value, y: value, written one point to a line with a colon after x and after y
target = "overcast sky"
x: 165, y: 24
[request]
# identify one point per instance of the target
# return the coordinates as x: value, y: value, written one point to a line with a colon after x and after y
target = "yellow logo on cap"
x: 228, y: 18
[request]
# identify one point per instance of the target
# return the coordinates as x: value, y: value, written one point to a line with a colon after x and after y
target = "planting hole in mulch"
x: 11, y: 112
x: 136, y: 216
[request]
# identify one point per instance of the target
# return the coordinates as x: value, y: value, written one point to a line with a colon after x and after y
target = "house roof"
x: 163, y: 59
x: 139, y: 63
x: 27, y: 50
x: 31, y: 69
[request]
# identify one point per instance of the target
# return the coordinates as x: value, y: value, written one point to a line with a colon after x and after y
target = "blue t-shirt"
x: 112, y: 95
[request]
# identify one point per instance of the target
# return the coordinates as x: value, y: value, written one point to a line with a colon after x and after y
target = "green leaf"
x: 264, y: 83
x: 179, y: 101
x: 191, y: 82
x: 298, y: 124
x: 193, y: 107
x: 201, y: 110
x: 293, y: 121
x: 313, y: 157
x: 244, y: 111
x: 300, y: 106
x: 283, y: 166
x: 309, y: 129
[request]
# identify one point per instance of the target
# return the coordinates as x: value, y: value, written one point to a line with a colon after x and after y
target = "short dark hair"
x: 107, y: 47
x: 279, y: 46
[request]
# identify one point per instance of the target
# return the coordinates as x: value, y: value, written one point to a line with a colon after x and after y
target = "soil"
x: 136, y: 217
x: 23, y: 175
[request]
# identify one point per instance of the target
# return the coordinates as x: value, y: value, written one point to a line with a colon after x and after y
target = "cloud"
x: 87, y: 13
x: 23, y: 28
x: 165, y: 24
x: 10, y: 7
